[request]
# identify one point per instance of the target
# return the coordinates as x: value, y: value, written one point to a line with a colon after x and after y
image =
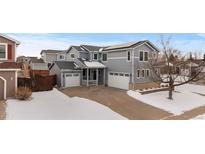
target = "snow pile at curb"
x: 184, y: 99
x: 53, y: 105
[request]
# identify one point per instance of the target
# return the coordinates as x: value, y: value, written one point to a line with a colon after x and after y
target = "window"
x: 121, y: 74
x: 145, y: 56
x: 138, y: 73
x: 141, y: 56
x: 75, y: 74
x: 111, y: 73
x: 61, y: 57
x: 147, y: 73
x: 72, y: 55
x: 116, y: 74
x: 3, y: 51
x: 104, y: 57
x: 95, y: 56
x: 128, y: 56
x: 143, y: 73
x: 127, y: 75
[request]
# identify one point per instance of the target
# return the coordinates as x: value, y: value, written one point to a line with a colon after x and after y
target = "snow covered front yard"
x: 200, y: 117
x: 185, y: 98
x: 53, y: 105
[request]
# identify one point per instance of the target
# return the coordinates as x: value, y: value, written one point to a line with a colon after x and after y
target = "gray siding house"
x: 124, y: 66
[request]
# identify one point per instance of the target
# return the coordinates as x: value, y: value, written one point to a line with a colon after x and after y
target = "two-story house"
x: 124, y: 66
x: 8, y: 66
x: 50, y: 56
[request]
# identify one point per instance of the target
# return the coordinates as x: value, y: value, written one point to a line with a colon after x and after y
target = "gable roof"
x: 9, y: 38
x: 91, y: 47
x: 53, y: 51
x: 64, y: 65
x: 130, y: 45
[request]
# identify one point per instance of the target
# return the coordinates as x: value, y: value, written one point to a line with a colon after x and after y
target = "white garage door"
x: 72, y: 79
x: 118, y: 80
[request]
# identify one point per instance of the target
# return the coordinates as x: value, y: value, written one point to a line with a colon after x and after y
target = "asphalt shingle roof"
x: 65, y: 65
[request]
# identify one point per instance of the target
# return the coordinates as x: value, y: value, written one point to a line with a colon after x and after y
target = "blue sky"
x: 32, y: 44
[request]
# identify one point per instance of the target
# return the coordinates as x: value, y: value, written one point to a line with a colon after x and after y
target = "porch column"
x: 87, y: 77
x: 104, y: 77
x: 96, y: 76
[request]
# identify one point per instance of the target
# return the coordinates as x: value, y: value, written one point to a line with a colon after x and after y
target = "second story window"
x: 141, y: 56
x: 95, y: 56
x: 104, y: 57
x: 61, y: 57
x: 3, y: 51
x: 144, y: 56
x: 72, y: 56
x: 128, y: 56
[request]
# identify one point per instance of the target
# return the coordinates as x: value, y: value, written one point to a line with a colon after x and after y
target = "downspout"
x: 133, y: 87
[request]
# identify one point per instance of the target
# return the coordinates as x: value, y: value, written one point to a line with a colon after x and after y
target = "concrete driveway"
x: 118, y: 101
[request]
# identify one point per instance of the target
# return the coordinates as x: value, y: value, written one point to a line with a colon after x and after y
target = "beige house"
x: 8, y: 67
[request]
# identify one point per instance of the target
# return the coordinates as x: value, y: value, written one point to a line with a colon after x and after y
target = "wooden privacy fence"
x: 38, y: 82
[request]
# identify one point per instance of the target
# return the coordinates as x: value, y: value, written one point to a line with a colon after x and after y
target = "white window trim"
x: 6, y: 47
x: 102, y: 57
x: 71, y: 56
x: 144, y: 73
x: 143, y: 56
x: 60, y: 56
x: 139, y: 73
x: 127, y: 56
x: 94, y: 56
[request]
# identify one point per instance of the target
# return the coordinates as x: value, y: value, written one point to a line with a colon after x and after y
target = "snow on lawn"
x: 200, y: 117
x: 185, y: 98
x: 52, y: 105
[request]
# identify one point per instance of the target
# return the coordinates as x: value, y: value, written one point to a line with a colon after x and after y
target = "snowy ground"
x: 54, y: 105
x: 200, y: 117
x: 185, y: 98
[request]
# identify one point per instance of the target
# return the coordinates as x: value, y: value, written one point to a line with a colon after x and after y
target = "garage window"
x: 116, y: 74
x: 127, y: 75
x: 121, y: 74
x: 68, y: 75
x: 111, y: 73
x: 75, y: 74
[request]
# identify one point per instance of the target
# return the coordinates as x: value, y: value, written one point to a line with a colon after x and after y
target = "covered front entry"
x: 72, y: 79
x: 2, y: 88
x: 118, y: 80
x: 93, y: 76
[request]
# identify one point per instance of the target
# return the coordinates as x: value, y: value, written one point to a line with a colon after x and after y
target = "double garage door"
x: 118, y: 80
x: 72, y: 79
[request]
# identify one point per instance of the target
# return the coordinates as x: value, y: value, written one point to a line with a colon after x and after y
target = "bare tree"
x: 172, y: 70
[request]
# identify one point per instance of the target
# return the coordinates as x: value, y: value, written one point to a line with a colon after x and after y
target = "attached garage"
x: 118, y: 80
x: 72, y: 79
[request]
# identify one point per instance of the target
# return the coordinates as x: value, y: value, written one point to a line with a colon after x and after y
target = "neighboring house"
x: 38, y: 67
x: 8, y: 67
x: 50, y: 56
x: 124, y: 66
